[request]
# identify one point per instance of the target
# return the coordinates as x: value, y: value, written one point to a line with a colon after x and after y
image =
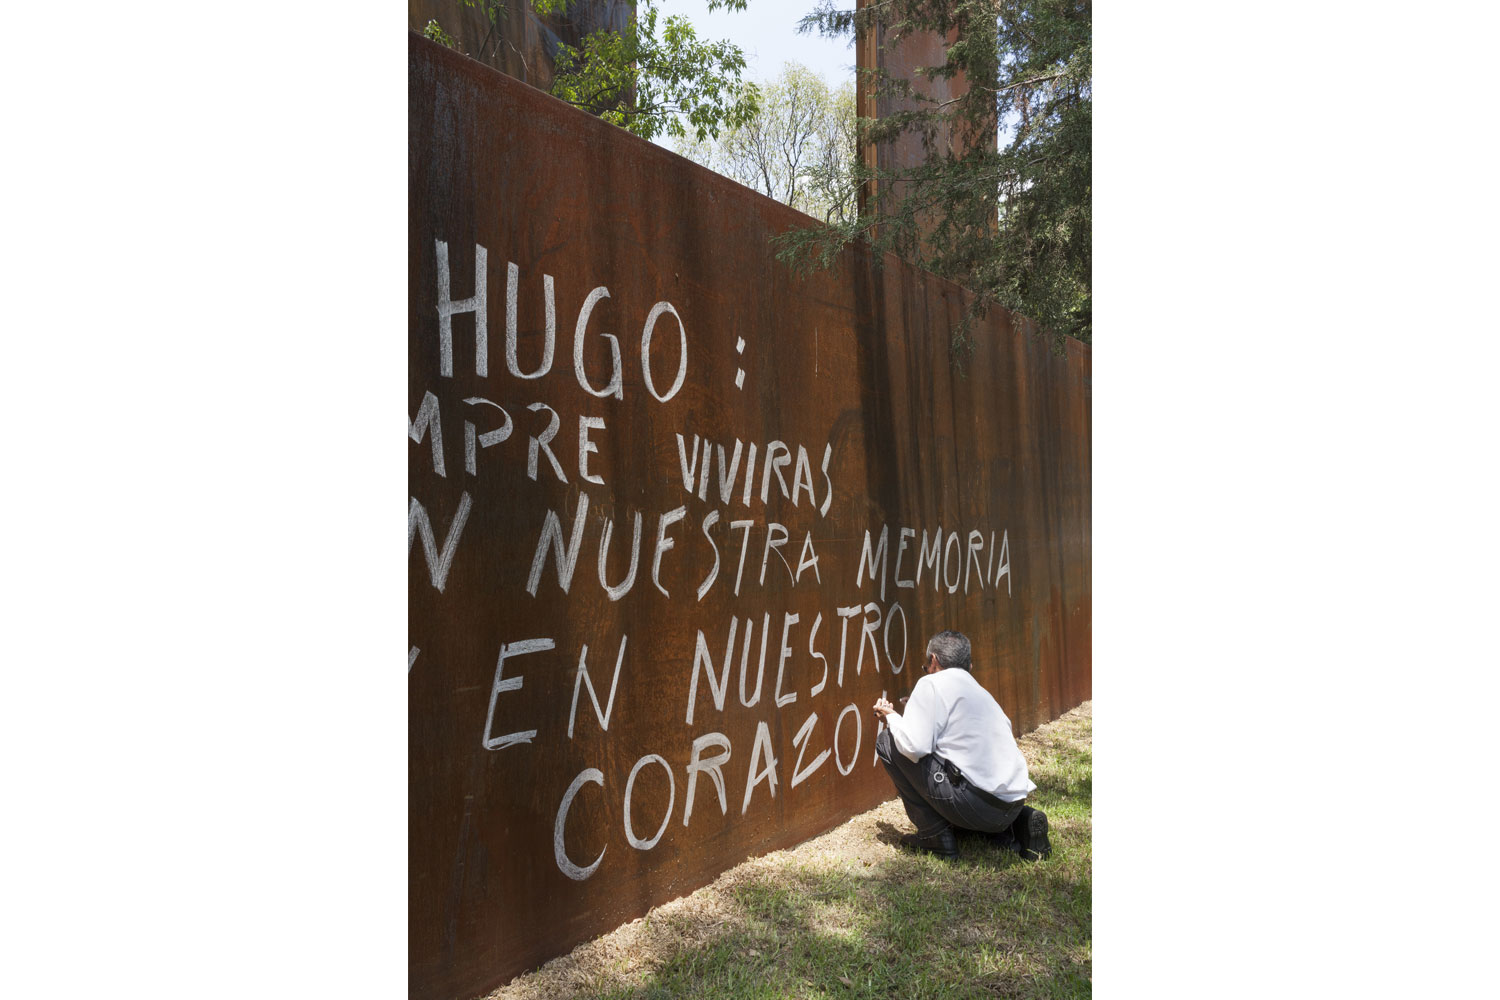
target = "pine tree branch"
x: 1008, y: 86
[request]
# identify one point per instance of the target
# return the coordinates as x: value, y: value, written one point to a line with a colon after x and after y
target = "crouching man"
x: 955, y: 762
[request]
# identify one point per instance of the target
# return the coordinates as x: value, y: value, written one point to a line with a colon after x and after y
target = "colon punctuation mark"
x: 739, y: 373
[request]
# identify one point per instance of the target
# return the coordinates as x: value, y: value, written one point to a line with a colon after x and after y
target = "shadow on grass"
x: 907, y: 925
x: 910, y: 927
x: 876, y: 922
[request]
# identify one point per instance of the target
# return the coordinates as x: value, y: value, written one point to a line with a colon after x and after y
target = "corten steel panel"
x: 522, y: 43
x: 851, y: 365
x: 902, y: 58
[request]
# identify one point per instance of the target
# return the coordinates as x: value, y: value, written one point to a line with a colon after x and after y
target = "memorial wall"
x: 678, y: 517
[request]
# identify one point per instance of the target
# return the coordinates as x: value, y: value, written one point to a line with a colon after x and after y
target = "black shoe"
x: 1030, y: 829
x: 943, y: 844
x: 1005, y: 840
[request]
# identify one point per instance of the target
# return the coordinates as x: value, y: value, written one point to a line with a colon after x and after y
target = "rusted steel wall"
x: 522, y: 43
x: 901, y: 57
x: 569, y: 710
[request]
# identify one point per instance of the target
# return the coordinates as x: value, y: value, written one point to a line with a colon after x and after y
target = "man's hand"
x: 883, y: 708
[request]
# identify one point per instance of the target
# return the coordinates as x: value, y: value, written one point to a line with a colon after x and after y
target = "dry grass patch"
x: 847, y: 914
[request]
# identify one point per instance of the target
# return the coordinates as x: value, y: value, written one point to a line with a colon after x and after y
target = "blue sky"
x: 767, y: 31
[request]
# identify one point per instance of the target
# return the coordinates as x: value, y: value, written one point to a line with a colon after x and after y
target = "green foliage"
x: 1002, y: 202
x: 495, y: 10
x: 833, y: 188
x: 799, y: 147
x: 435, y: 32
x: 657, y: 77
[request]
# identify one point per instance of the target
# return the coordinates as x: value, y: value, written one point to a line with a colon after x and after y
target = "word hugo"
x: 762, y: 768
x: 478, y: 304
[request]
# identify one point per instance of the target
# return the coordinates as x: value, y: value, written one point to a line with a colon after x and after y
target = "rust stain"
x: 576, y: 687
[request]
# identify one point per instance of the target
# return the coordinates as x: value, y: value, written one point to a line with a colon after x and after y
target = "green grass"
x: 860, y: 918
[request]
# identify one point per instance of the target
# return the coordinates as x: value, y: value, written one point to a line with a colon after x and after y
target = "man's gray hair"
x: 951, y: 649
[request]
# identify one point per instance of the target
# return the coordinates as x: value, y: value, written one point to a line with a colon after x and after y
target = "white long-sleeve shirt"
x: 951, y: 713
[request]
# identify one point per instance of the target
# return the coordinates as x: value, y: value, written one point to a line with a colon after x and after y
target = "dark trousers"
x: 934, y: 801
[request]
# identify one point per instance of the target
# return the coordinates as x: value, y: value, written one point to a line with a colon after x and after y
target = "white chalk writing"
x: 438, y: 564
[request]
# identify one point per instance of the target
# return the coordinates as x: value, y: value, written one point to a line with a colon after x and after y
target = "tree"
x: 644, y: 74
x: 435, y: 32
x: 799, y: 147
x: 1007, y: 210
x: 649, y: 84
x: 831, y: 178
